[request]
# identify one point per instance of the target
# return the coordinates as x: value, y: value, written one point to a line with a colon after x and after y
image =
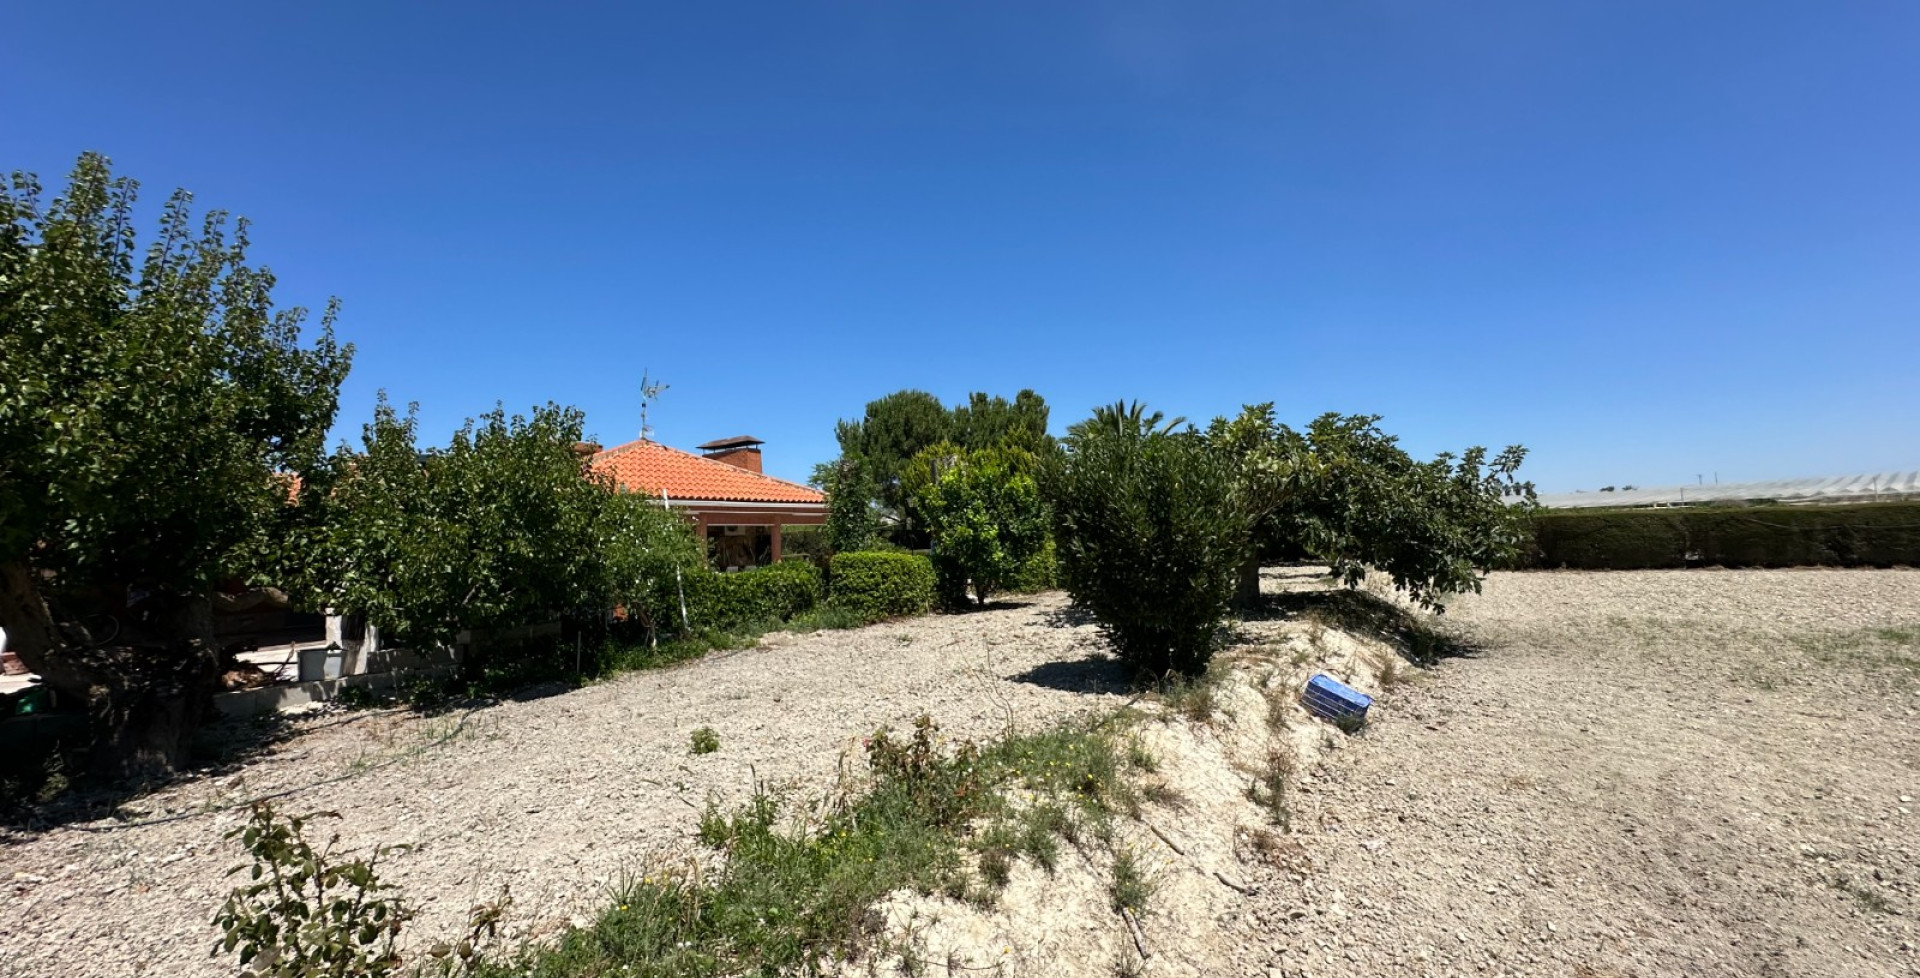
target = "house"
x: 734, y: 506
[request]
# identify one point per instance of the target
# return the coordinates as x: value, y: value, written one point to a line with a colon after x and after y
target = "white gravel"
x: 1649, y: 774
x: 556, y: 795
x: 1639, y: 774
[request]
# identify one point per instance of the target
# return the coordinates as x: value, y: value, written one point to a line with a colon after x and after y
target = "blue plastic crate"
x: 1332, y: 700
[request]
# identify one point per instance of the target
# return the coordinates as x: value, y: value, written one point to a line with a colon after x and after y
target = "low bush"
x: 724, y: 602
x: 1151, y: 534
x: 878, y: 586
x: 1865, y: 535
x: 306, y: 911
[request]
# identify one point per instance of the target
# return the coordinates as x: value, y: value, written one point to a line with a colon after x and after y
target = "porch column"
x: 776, y: 542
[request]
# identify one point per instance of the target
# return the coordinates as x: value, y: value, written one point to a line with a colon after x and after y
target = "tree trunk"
x: 147, y: 682
x: 1246, y: 592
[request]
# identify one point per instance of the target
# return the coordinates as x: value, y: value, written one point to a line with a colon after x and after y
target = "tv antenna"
x: 649, y: 392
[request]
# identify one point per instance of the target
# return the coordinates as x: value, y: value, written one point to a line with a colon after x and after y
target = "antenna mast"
x: 649, y: 392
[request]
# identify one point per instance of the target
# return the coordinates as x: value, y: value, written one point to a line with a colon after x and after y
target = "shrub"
x: 1864, y: 535
x: 878, y: 586
x: 986, y: 517
x: 704, y: 741
x: 1150, y: 533
x: 722, y: 602
x: 305, y: 912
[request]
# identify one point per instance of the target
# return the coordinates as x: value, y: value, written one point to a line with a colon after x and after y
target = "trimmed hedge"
x: 877, y: 586
x: 1865, y: 535
x: 717, y: 601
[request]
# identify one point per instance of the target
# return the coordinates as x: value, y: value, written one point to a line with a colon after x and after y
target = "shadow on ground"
x: 1094, y: 674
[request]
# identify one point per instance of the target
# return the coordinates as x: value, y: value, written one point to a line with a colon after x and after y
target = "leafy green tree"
x: 154, y: 405
x: 503, y: 527
x: 894, y: 429
x: 852, y: 524
x: 900, y: 426
x: 994, y: 422
x: 647, y: 551
x: 1150, y: 528
x: 1344, y: 492
x: 986, y: 516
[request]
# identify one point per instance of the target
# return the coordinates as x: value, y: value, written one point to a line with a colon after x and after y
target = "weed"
x: 1269, y: 789
x: 1193, y: 698
x: 1392, y: 675
x: 1868, y: 898
x: 1131, y: 887
x: 795, y: 889
x: 1893, y: 649
x: 1128, y: 965
x: 827, y: 617
x: 1140, y: 758
x: 704, y: 741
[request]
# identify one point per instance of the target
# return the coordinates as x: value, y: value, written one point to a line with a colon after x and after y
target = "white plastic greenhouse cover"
x: 1882, y: 486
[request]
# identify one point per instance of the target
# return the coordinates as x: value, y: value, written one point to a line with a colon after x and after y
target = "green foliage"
x: 795, y: 890
x: 146, y: 417
x: 894, y: 429
x: 878, y: 586
x: 986, y: 517
x: 1864, y: 535
x: 305, y: 913
x: 852, y: 523
x: 992, y: 422
x: 902, y: 425
x: 778, y: 592
x: 703, y: 741
x: 1150, y: 529
x: 1040, y: 572
x: 501, y: 528
x: 153, y: 403
x: 645, y: 551
x: 1344, y: 492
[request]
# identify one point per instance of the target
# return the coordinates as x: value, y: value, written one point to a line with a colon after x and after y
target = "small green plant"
x: 1191, y: 697
x: 705, y: 741
x: 1140, y: 757
x: 827, y: 617
x: 305, y: 913
x: 483, y: 928
x: 1269, y: 789
x: 1131, y: 887
x: 1869, y: 899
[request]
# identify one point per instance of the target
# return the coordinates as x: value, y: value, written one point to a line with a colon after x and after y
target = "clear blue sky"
x: 1646, y: 239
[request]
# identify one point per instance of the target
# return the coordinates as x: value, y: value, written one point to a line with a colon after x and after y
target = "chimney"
x: 740, y: 451
x: 586, y: 449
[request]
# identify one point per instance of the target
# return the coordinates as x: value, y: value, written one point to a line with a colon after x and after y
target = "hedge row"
x: 877, y: 586
x: 1865, y: 535
x: 777, y: 592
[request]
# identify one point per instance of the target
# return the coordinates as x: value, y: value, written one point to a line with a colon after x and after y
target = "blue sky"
x: 1646, y: 239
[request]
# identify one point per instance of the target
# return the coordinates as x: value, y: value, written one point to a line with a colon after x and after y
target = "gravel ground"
x: 556, y: 795
x: 1647, y: 774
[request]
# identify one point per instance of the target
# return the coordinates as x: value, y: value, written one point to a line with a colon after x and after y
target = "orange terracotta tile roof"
x: 653, y: 468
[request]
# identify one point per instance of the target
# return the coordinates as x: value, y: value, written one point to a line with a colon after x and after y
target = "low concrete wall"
x: 394, y: 666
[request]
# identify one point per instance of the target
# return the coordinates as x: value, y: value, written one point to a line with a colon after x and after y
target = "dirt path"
x: 1648, y: 774
x: 556, y: 795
